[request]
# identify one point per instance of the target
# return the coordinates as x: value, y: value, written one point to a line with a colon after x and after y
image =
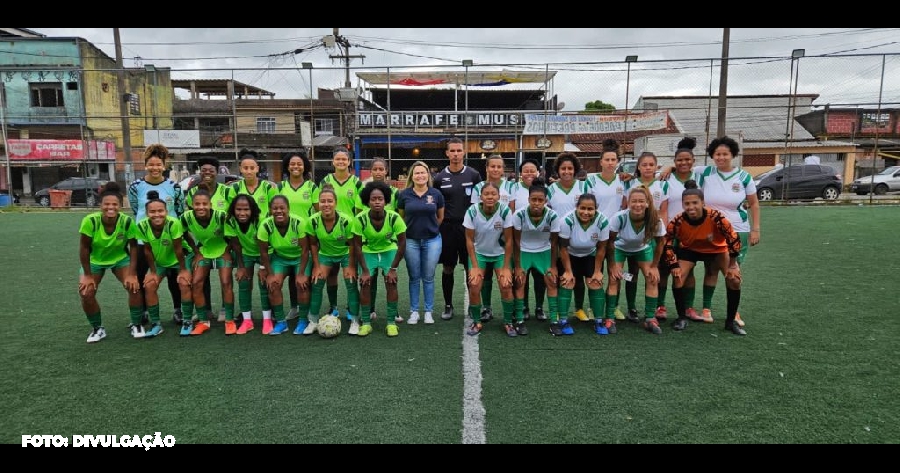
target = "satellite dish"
x: 560, y: 106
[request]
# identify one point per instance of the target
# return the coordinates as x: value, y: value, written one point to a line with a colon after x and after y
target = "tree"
x: 599, y: 106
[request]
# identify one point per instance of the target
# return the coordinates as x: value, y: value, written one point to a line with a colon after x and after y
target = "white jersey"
x: 727, y: 193
x: 504, y: 192
x: 518, y: 193
x: 489, y: 229
x: 658, y: 189
x: 565, y: 202
x: 536, y: 238
x: 676, y: 188
x: 627, y: 238
x: 609, y: 195
x: 583, y: 239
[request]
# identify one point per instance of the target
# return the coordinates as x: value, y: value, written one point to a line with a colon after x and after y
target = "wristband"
x: 262, y: 267
x: 392, y: 269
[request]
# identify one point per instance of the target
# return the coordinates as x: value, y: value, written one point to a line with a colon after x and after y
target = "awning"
x: 329, y: 141
x: 474, y: 78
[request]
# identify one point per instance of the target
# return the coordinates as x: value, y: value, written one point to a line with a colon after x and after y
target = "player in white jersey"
x: 528, y: 171
x: 583, y: 237
x: 494, y: 174
x: 562, y: 197
x: 489, y: 242
x: 606, y: 186
x: 636, y: 232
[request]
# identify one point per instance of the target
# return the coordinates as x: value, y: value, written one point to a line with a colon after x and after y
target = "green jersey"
x: 382, y: 239
x: 360, y: 206
x: 210, y: 238
x: 263, y: 194
x: 108, y: 248
x: 347, y: 193
x: 247, y: 239
x: 337, y: 241
x: 162, y: 246
x: 219, y: 200
x: 287, y: 244
x: 301, y: 198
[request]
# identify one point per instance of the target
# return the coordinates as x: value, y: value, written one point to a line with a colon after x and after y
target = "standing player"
x: 298, y: 187
x: 378, y: 170
x: 455, y: 182
x: 609, y: 190
x: 494, y: 175
x: 241, y: 229
x: 260, y: 190
x: 528, y: 171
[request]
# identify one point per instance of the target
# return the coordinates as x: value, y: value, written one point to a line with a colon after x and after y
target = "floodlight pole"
x: 466, y: 63
x: 628, y: 61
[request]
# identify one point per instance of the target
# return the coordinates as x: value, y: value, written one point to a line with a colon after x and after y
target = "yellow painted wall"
x: 284, y: 121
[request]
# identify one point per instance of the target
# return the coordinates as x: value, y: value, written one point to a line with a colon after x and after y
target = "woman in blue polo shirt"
x: 422, y: 207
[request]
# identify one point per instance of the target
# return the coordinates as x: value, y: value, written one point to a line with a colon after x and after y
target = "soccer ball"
x: 329, y: 326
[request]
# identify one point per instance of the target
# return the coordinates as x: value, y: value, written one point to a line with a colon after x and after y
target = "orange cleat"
x: 230, y: 327
x: 200, y: 328
x: 706, y: 316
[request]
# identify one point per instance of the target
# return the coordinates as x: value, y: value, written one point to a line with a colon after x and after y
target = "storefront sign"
x: 61, y: 150
x: 428, y: 120
x: 537, y: 124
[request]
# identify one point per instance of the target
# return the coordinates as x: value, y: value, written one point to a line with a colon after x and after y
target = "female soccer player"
x: 164, y: 252
x: 536, y: 233
x: 241, y: 229
x: 330, y: 239
x: 489, y: 240
x: 298, y: 187
x: 207, y: 230
x: 583, y: 237
x: 528, y: 171
x: 632, y: 233
x: 378, y: 170
x: 283, y: 250
x: 262, y: 191
x: 108, y: 241
x: 703, y: 234
x: 379, y: 245
x: 494, y: 174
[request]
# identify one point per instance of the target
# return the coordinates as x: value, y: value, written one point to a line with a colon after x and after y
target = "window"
x: 46, y: 94
x: 134, y: 104
x: 265, y: 124
x: 870, y: 120
x: 324, y: 126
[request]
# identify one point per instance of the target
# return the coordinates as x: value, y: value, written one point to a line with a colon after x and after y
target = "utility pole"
x: 341, y: 41
x: 123, y: 107
x: 723, y: 84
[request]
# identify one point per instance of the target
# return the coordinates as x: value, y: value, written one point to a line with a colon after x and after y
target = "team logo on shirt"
x: 350, y: 193
x: 498, y: 225
x: 736, y: 187
x: 261, y: 200
x: 657, y: 195
x: 389, y: 235
x: 595, y: 236
x: 619, y: 191
x: 220, y: 204
x: 165, y: 242
x: 295, y: 242
x: 306, y: 195
x: 120, y: 237
x: 429, y: 199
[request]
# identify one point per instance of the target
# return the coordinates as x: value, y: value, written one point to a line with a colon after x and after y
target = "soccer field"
x: 819, y: 364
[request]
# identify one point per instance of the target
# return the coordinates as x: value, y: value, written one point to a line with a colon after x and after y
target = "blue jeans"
x: 421, y: 261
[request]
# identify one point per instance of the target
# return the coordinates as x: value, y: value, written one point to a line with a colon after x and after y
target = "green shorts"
x: 641, y: 256
x: 250, y: 261
x: 342, y: 261
x: 497, y: 260
x: 215, y: 263
x: 539, y: 261
x: 101, y: 268
x: 745, y: 245
x: 282, y: 265
x: 376, y: 261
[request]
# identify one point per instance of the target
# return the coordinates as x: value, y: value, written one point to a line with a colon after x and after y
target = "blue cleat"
x: 186, y: 329
x: 566, y: 329
x: 279, y: 328
x: 599, y: 328
x: 154, y: 330
x: 301, y: 326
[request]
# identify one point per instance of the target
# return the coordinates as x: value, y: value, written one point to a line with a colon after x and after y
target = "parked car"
x: 85, y: 191
x: 885, y: 181
x: 628, y: 166
x: 193, y: 179
x: 805, y: 181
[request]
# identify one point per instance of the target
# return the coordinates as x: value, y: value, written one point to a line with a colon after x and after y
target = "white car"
x: 885, y: 181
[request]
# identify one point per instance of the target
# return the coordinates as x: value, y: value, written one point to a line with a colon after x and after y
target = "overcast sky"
x: 589, y: 62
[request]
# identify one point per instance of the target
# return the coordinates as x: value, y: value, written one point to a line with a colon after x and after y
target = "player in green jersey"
x: 260, y: 190
x: 298, y: 187
x: 241, y: 228
x: 378, y: 171
x: 108, y: 241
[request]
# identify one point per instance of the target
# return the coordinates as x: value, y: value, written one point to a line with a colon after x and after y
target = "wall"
x: 34, y: 54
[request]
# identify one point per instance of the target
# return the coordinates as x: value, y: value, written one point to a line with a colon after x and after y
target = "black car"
x: 85, y: 191
x: 805, y: 181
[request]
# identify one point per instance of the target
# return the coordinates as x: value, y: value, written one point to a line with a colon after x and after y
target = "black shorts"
x: 694, y: 257
x: 453, y: 241
x: 582, y: 266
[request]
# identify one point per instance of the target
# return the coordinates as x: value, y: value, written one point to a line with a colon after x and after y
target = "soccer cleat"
x: 200, y: 328
x: 521, y: 329
x: 652, y: 326
x: 428, y: 318
x: 540, y: 315
x: 365, y: 330
x: 279, y: 328
x: 186, y: 328
x: 486, y: 314
x: 301, y: 326
x: 526, y: 313
x: 510, y: 330
x: 619, y: 314
x: 177, y: 317
x: 246, y: 326
x: 398, y: 319
x: 155, y: 330
x: 448, y: 312
x: 310, y: 329
x: 137, y: 331
x: 475, y: 329
x: 267, y: 326
x: 392, y: 330
x: 335, y: 312
x: 555, y: 329
x: 97, y: 334
x: 413, y: 318
x: 633, y: 316
x: 680, y: 324
x: 610, y: 325
x: 581, y: 315
x: 736, y: 329
x: 693, y: 315
x: 738, y: 320
x: 145, y: 318
x: 354, y: 327
x: 230, y: 327
x: 706, y: 316
x: 600, y: 328
x: 292, y: 314
x: 221, y: 318
x: 566, y: 328
x: 661, y: 313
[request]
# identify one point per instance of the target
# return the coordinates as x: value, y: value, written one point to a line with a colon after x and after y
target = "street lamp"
x: 792, y: 110
x: 466, y: 63
x: 628, y: 61
x: 312, y: 120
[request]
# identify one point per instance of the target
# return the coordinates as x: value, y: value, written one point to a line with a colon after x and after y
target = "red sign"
x: 60, y: 150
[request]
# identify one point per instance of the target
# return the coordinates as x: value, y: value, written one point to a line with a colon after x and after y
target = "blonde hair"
x: 651, y: 215
x: 409, y: 177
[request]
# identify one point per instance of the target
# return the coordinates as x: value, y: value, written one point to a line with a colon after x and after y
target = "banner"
x: 60, y: 150
x: 536, y: 124
x: 173, y: 138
